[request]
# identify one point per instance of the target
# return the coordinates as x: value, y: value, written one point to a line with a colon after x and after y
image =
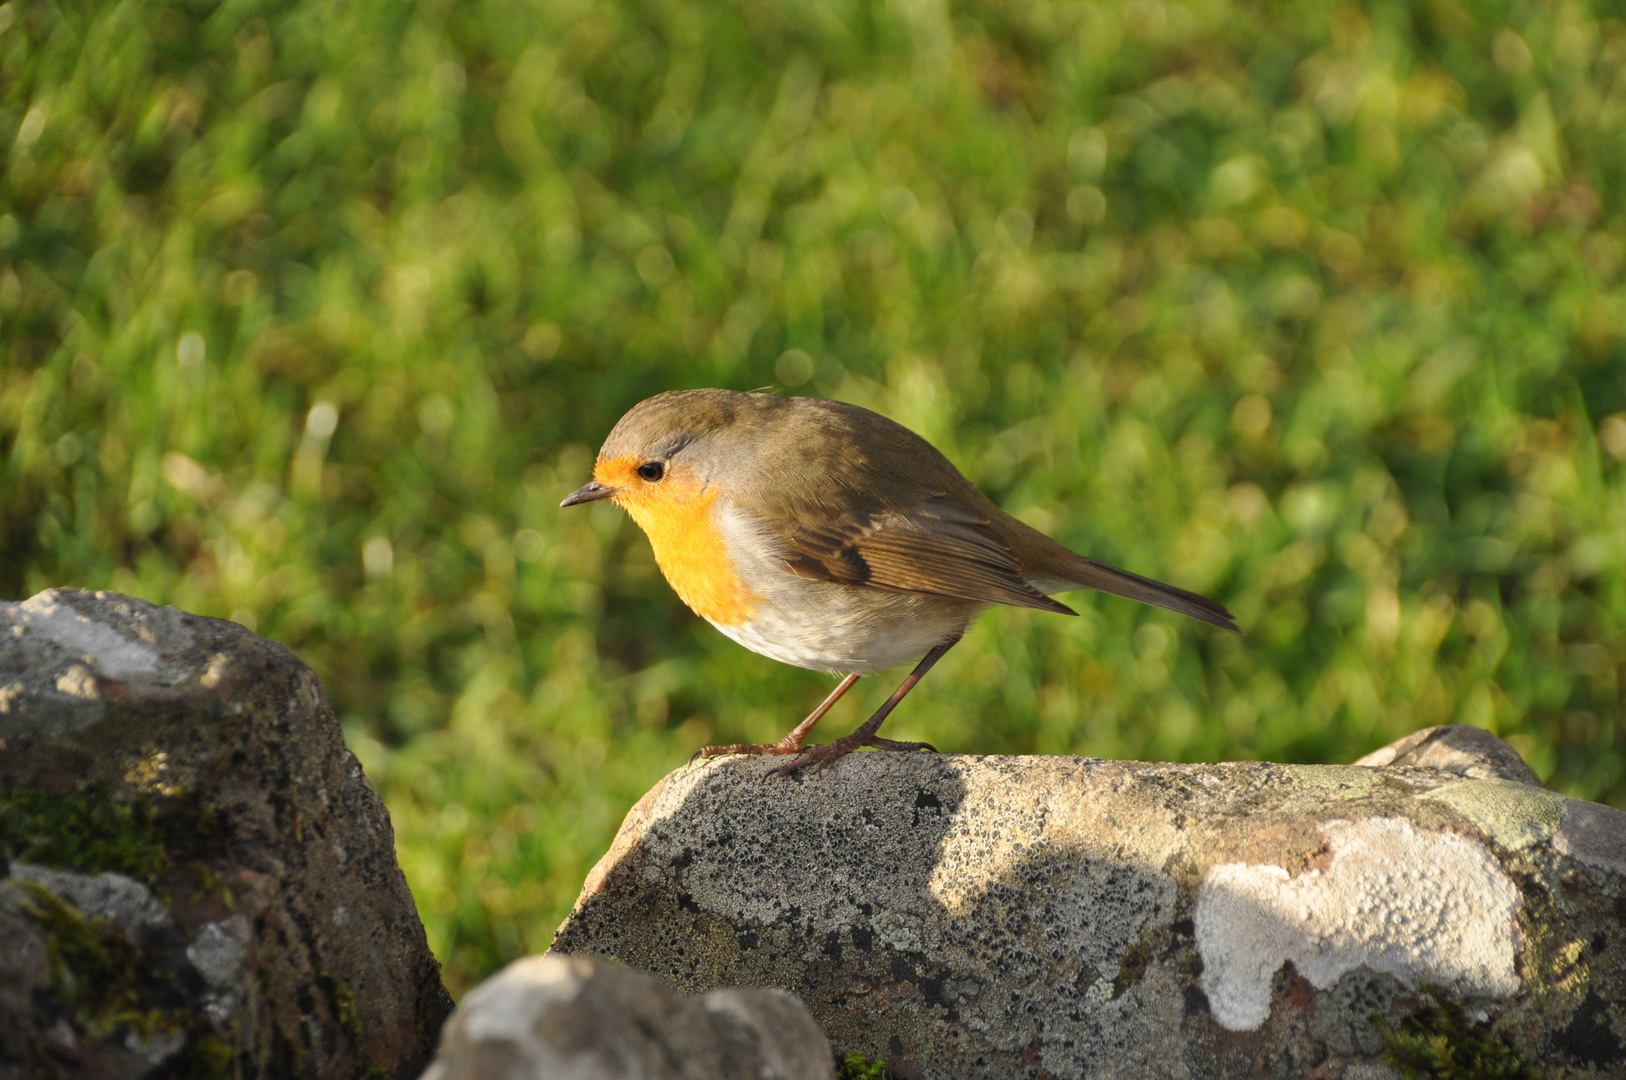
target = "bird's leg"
x: 790, y: 744
x: 865, y: 735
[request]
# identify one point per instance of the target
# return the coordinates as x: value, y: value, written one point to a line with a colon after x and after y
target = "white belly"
x: 837, y: 629
x: 844, y: 630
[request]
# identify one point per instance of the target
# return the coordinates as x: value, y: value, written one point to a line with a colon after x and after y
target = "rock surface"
x: 579, y: 1018
x: 1065, y: 917
x: 197, y: 879
x: 1456, y: 748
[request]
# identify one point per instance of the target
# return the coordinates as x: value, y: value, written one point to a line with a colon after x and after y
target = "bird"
x: 824, y: 535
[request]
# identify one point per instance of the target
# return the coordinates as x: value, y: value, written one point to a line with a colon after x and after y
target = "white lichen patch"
x: 901, y: 932
x: 218, y: 671
x: 115, y: 655
x: 158, y: 1047
x: 1421, y: 906
x: 219, y: 951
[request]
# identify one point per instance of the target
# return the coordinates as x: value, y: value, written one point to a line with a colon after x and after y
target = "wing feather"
x: 845, y: 495
x: 865, y: 502
x: 938, y: 548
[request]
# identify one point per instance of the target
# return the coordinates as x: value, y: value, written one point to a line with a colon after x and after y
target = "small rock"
x: 569, y: 1017
x: 127, y: 903
x: 1457, y: 748
x: 1594, y: 835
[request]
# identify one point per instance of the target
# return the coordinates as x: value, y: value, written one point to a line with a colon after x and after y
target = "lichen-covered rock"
x: 570, y: 1017
x: 196, y: 879
x: 965, y: 917
x: 1457, y: 748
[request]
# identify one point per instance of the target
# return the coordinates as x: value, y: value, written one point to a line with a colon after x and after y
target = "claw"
x: 889, y: 744
x: 822, y: 756
x: 793, y: 766
x: 792, y: 742
x: 864, y: 736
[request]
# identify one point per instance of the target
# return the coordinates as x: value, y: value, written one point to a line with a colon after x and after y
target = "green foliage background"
x: 311, y: 312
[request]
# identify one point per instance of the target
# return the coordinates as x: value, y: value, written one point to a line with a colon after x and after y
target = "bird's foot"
x: 822, y: 756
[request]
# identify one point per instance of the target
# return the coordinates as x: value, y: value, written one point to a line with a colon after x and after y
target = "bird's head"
x: 672, y: 447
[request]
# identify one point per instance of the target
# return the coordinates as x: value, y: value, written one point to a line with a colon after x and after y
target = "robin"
x: 827, y: 536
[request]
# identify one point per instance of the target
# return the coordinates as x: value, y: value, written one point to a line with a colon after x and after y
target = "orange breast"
x: 676, y: 515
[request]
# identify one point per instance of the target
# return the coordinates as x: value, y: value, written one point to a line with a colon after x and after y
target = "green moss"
x: 111, y: 986
x: 211, y: 882
x: 856, y: 1066
x: 76, y: 833
x: 286, y: 1058
x: 343, y: 1000
x: 206, y: 1057
x: 1440, y: 1041
x: 93, y: 968
x: 344, y: 1005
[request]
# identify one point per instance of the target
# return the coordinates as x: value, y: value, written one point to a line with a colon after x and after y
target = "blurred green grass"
x: 311, y: 312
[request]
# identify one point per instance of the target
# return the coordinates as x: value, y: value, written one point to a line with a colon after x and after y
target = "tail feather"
x: 1109, y: 579
x: 1051, y: 566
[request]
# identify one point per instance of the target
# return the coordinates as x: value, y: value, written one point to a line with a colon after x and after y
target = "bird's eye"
x: 652, y: 471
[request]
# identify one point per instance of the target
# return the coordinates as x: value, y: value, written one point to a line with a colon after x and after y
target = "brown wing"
x: 865, y: 502
x: 862, y: 501
x: 938, y: 549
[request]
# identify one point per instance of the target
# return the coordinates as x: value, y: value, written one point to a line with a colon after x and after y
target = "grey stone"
x: 219, y: 950
x: 980, y: 917
x: 1594, y: 835
x: 1463, y: 749
x: 1369, y: 1070
x: 201, y: 828
x: 559, y: 1017
x: 1342, y: 1017
x: 127, y: 903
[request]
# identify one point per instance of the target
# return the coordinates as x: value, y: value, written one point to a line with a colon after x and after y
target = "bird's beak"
x: 588, y: 492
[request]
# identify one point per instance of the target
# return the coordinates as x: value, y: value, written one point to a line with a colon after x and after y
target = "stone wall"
x: 966, y: 917
x: 198, y: 881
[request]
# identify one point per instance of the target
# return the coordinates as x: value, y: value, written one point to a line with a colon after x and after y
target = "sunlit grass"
x: 311, y: 313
